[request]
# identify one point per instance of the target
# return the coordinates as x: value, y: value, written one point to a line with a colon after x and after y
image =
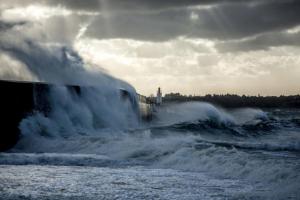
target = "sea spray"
x: 98, y: 105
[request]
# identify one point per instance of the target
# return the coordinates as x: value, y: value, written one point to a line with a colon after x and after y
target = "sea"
x: 195, y: 150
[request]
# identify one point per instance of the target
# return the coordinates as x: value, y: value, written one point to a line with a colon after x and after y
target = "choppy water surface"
x: 189, y: 151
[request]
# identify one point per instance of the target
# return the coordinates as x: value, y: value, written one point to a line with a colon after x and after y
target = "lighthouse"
x: 159, y: 97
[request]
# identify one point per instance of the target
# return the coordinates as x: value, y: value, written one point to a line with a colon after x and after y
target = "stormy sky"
x: 188, y: 46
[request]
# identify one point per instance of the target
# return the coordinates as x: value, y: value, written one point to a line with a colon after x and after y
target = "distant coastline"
x: 236, y: 101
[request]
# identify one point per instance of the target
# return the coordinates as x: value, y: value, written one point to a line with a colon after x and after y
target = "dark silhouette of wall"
x: 19, y: 99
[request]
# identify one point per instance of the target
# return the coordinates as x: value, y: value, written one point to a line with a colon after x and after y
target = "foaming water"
x: 259, y: 149
x: 187, y: 112
x: 94, y: 109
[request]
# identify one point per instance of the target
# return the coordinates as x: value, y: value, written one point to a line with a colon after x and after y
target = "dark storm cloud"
x: 97, y: 5
x: 261, y: 42
x: 4, y: 26
x: 157, y: 20
x: 222, y: 22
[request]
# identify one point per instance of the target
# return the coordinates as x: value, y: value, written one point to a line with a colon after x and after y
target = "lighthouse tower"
x: 159, y: 97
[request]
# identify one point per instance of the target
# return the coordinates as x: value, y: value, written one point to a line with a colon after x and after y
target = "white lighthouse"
x: 159, y: 97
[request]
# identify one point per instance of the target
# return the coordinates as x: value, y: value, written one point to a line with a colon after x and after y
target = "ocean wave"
x: 293, y: 146
x: 59, y: 159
